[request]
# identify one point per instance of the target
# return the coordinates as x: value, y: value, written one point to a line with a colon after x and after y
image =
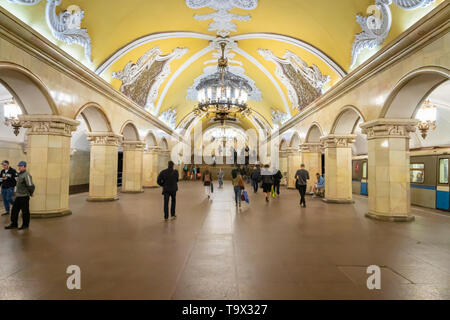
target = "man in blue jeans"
x: 8, y: 181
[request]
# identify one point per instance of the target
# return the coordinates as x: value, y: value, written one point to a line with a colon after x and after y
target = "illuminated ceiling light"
x: 223, y: 94
x: 427, y: 117
x: 12, y: 112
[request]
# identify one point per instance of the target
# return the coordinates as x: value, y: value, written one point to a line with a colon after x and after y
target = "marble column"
x: 389, y: 169
x: 294, y: 159
x: 283, y: 166
x: 48, y: 157
x: 338, y: 168
x: 133, y: 154
x: 150, y: 167
x: 103, y: 166
x: 312, y: 158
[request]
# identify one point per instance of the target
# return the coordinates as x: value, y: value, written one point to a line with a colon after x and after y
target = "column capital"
x: 153, y: 149
x: 291, y: 150
x: 389, y: 128
x: 338, y: 141
x: 103, y: 138
x: 311, y: 147
x: 48, y: 125
x: 133, y: 145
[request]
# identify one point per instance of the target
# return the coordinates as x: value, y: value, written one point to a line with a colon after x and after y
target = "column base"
x: 57, y: 214
x: 137, y: 191
x: 93, y: 199
x: 338, y: 201
x: 390, y: 218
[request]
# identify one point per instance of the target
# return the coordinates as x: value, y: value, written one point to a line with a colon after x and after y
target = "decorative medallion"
x: 141, y: 80
x: 304, y: 83
x: 222, y: 16
x: 376, y: 27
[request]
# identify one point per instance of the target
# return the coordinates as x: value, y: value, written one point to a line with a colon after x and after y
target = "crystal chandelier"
x: 427, y: 117
x: 223, y: 94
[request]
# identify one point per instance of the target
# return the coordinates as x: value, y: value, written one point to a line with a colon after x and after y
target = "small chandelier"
x: 223, y: 94
x: 427, y: 117
x: 12, y: 112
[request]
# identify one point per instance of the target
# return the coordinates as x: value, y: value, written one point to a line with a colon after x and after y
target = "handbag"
x: 245, y: 194
x: 272, y: 191
x: 242, y: 196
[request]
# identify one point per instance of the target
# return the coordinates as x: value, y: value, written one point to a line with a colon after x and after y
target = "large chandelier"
x: 427, y: 117
x: 223, y: 94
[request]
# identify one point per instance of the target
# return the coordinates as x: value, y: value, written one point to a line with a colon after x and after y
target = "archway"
x: 347, y: 122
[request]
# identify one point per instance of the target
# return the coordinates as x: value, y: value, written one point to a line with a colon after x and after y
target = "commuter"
x: 238, y: 186
x: 301, y: 177
x: 276, y: 181
x: 207, y: 180
x: 168, y: 180
x: 267, y: 181
x: 220, y: 176
x: 255, y: 178
x: 8, y: 181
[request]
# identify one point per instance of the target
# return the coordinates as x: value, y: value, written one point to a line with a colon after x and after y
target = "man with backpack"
x: 24, y: 190
x: 168, y: 180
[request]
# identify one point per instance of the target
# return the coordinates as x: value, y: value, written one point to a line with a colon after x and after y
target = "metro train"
x: 429, y: 171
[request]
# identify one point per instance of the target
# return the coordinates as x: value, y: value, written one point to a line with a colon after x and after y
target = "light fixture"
x: 223, y: 94
x: 427, y: 117
x: 12, y: 112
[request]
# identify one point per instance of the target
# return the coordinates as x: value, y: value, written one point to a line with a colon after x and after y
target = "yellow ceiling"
x: 328, y: 25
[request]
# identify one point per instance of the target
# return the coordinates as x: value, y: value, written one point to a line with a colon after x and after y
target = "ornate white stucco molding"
x: 295, y: 74
x: 169, y: 117
x: 222, y: 17
x: 66, y: 26
x: 25, y: 2
x: 154, y: 68
x: 279, y: 118
x: 376, y: 27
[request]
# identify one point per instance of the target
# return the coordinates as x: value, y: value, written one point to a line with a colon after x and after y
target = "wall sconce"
x: 12, y: 112
x: 427, y: 117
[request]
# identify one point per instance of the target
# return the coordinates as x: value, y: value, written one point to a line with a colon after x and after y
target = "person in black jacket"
x: 276, y: 181
x: 168, y: 179
x: 8, y: 181
x: 256, y: 178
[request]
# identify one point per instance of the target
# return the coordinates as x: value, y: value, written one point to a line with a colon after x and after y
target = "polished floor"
x: 264, y: 251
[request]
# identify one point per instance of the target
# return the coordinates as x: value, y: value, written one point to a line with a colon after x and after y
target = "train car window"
x: 364, y: 170
x: 443, y: 171
x: 417, y: 171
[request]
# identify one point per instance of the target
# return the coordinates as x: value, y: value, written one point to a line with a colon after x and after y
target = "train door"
x: 364, y: 185
x: 443, y: 187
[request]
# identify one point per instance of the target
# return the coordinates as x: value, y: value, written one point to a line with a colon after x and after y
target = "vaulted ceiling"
x: 174, y: 45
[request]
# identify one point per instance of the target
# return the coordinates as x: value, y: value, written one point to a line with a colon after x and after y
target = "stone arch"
x: 163, y: 144
x: 411, y: 91
x: 283, y: 144
x: 150, y: 139
x: 295, y: 140
x: 347, y: 121
x: 314, y: 133
x: 129, y: 131
x: 95, y: 117
x: 31, y: 94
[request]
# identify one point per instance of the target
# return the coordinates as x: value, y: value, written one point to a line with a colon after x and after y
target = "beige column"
x: 389, y: 172
x: 150, y: 167
x: 294, y: 159
x: 133, y: 153
x: 312, y: 158
x: 338, y: 168
x: 283, y: 167
x: 103, y: 166
x: 48, y: 156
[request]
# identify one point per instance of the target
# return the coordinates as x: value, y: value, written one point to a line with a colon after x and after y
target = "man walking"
x: 168, y: 179
x: 301, y: 177
x: 8, y: 181
x: 256, y: 178
x: 24, y: 190
x: 276, y: 181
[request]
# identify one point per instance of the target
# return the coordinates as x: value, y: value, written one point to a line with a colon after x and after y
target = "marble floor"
x: 212, y: 251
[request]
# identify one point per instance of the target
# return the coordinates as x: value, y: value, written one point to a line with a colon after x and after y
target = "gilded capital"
x: 338, y: 141
x: 389, y: 128
x: 48, y: 125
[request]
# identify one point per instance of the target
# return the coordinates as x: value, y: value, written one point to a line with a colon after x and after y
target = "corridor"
x: 264, y: 251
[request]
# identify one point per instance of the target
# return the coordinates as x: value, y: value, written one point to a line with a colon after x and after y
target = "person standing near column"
x: 8, y: 181
x: 276, y: 181
x: 301, y: 177
x: 168, y: 179
x: 24, y: 190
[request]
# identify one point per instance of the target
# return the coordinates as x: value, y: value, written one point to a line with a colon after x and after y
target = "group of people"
x: 270, y: 180
x: 17, y: 188
x: 191, y: 173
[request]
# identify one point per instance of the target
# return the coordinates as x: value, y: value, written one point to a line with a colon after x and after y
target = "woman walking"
x: 238, y: 186
x: 207, y: 180
x: 220, y: 177
x: 267, y: 181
